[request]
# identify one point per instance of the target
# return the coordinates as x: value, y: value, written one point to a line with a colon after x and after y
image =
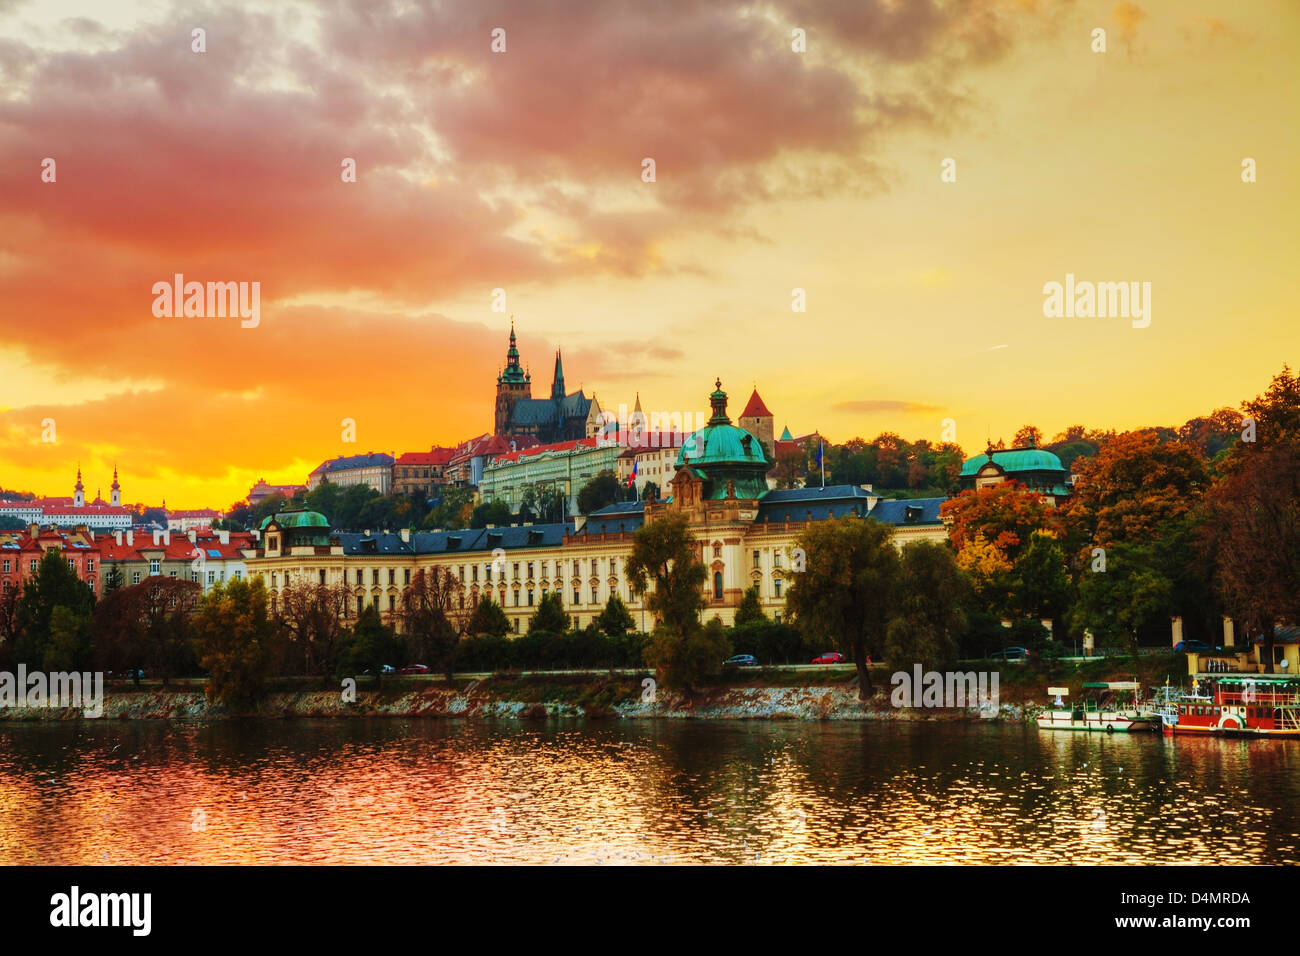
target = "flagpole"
x: 821, y: 460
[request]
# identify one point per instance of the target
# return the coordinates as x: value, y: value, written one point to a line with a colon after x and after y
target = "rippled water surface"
x: 619, y: 792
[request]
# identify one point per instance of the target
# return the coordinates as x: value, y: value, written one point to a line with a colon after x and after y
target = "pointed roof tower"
x: 557, y: 381
x: 513, y: 374
x: 755, y: 408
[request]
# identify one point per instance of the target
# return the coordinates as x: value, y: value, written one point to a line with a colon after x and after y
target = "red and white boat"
x: 1234, y: 705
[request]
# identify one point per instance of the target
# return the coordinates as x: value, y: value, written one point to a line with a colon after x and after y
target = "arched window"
x: 717, y: 585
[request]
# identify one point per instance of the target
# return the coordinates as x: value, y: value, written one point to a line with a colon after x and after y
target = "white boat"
x: 1107, y: 707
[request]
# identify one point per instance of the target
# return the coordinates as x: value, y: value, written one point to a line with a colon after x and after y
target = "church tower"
x: 115, y: 493
x: 557, y: 382
x: 79, y: 491
x: 758, y: 421
x: 513, y: 384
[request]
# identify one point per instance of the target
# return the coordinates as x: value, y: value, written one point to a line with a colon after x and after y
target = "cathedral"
x: 558, y: 418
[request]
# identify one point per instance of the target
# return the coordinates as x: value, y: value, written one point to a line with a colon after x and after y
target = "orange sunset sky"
x: 522, y: 170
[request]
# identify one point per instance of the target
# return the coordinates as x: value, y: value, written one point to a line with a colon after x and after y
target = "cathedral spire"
x: 557, y: 381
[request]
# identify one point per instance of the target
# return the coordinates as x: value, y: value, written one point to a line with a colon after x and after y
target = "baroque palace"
x: 745, y: 531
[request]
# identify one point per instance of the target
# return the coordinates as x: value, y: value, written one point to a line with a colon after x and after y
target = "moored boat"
x: 1236, y: 705
x: 1106, y: 706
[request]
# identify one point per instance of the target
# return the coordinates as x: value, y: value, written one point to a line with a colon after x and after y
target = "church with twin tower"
x: 560, y: 417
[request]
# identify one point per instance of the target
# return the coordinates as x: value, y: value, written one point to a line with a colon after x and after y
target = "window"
x: 273, y: 579
x: 6, y: 566
x: 171, y: 574
x: 577, y: 596
x: 777, y: 617
x: 392, y: 602
x: 593, y: 567
x: 361, y: 600
x: 72, y: 565
x: 595, y: 596
x: 576, y: 570
x: 717, y: 550
x: 474, y: 573
x: 515, y: 571
x: 757, y: 562
x: 516, y: 598
x: 374, y: 576
x: 212, y: 577
x: 776, y: 586
x: 406, y: 575
x: 239, y: 575
x: 135, y: 577
x: 155, y: 566
x: 90, y: 565
x: 33, y: 566
x: 194, y: 576
x: 717, y: 585
x: 516, y: 625
x: 322, y: 575
x: 613, y: 565
x: 530, y: 570
x: 530, y: 598
x: 392, y: 576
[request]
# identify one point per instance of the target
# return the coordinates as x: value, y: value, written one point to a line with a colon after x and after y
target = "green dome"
x: 297, y: 519
x: 720, y: 442
x: 1014, y: 460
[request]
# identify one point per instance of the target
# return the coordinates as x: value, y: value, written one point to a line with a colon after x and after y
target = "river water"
x: 636, y: 792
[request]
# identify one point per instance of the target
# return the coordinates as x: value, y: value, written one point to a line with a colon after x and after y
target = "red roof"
x: 539, y: 449
x: 434, y: 456
x: 755, y: 408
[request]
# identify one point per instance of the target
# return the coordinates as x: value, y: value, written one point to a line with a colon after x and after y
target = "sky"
x: 775, y: 170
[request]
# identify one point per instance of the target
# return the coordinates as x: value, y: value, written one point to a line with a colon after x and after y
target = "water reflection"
x: 617, y: 793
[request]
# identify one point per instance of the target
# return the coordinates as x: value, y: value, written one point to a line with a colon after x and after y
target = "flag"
x: 819, y: 453
x: 632, y: 478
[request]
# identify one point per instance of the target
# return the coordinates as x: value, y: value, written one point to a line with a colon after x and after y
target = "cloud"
x: 873, y: 406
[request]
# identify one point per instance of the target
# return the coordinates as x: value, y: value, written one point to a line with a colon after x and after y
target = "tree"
x: 313, y: 615
x: 929, y: 608
x: 601, y: 491
x: 1115, y: 603
x: 369, y: 644
x: 665, y: 569
x: 615, y: 620
x: 495, y: 512
x: 751, y: 608
x: 488, y: 618
x: 54, y: 584
x: 147, y: 626
x: 843, y: 594
x: 1040, y: 582
x: 1027, y: 434
x: 9, y: 630
x: 1005, y: 515
x: 114, y: 579
x: 233, y: 638
x: 68, y: 648
x: 550, y: 617
x: 434, y: 616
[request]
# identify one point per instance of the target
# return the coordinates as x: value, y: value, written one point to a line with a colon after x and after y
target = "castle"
x: 558, y: 418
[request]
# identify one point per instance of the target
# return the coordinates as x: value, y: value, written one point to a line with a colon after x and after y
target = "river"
x: 635, y: 792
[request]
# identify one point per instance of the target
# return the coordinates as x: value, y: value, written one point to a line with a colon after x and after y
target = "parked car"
x: 1010, y: 654
x: 386, y: 669
x: 1198, y: 646
x: 830, y: 657
x: 414, y: 669
x: 741, y: 660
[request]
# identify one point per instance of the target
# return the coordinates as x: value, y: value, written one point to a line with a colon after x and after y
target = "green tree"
x: 488, y: 618
x: 495, y: 512
x: 843, y: 594
x: 550, y: 617
x: 234, y: 640
x: 751, y: 608
x: 615, y: 619
x: 600, y: 491
x: 929, y: 613
x: 114, y: 579
x: 68, y: 648
x: 369, y: 644
x: 54, y: 584
x: 1116, y: 602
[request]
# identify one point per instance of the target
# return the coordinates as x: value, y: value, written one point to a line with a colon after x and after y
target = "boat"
x: 1106, y: 706
x: 1234, y: 705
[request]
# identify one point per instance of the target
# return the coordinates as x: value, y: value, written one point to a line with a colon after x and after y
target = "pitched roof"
x: 755, y: 408
x: 344, y: 463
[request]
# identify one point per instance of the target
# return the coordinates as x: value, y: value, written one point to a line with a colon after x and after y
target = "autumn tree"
x: 843, y: 594
x: 1006, y: 515
x: 1027, y: 435
x: 233, y: 636
x: 147, y: 626
x: 435, y: 617
x: 313, y: 616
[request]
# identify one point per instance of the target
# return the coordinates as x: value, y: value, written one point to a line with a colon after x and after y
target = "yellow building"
x: 746, y: 534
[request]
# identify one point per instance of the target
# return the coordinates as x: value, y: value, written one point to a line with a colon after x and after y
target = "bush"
x: 770, y: 642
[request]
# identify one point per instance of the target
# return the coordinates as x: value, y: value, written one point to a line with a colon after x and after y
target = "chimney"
x: 223, y: 537
x: 167, y: 536
x: 117, y: 536
x: 33, y: 530
x: 193, y: 535
x: 130, y: 536
x: 157, y: 536
x: 406, y: 535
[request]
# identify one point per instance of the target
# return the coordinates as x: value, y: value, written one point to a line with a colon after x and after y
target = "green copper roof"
x: 297, y: 519
x: 785, y: 435
x: 1014, y: 460
x: 720, y: 442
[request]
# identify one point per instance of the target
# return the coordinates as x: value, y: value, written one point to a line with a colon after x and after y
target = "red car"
x: 414, y: 669
x: 830, y: 657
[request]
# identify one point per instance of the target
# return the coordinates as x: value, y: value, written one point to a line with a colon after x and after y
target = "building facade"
x: 746, y: 535
x: 419, y: 472
x: 1036, y: 468
x: 374, y: 469
x: 563, y: 468
x: 556, y: 418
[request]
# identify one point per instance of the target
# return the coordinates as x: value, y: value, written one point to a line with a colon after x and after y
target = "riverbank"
x: 776, y: 694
